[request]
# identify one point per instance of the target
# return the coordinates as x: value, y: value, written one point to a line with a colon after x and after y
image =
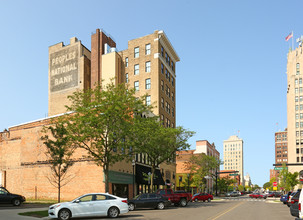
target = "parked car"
x: 232, y: 194
x: 258, y: 196
x: 202, y: 197
x: 176, y: 198
x: 284, y: 198
x: 90, y: 205
x: 7, y: 197
x: 289, y: 198
x: 273, y: 194
x: 294, y: 206
x: 148, y: 200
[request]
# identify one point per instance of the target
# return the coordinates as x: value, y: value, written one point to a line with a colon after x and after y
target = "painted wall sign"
x: 64, y: 69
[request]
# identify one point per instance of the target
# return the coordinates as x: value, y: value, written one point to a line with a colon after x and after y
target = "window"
x: 166, y: 57
x: 296, y: 99
x: 162, y: 85
x: 173, y: 111
x: 147, y: 49
x: 166, y: 73
x: 100, y: 197
x: 136, y: 71
x: 136, y: 84
x: 147, y: 67
x: 301, y: 98
x: 296, y: 81
x: 173, y: 97
x: 296, y: 90
x: 126, y: 77
x: 162, y: 68
x: 298, y: 159
x: 297, y: 107
x: 147, y: 100
x: 136, y: 52
x: 301, y: 133
x: 301, y: 115
x: 301, y: 107
x: 162, y: 102
x: 86, y: 198
x: 126, y: 62
x: 300, y: 81
x: 168, y: 60
x: 172, y: 81
x: 297, y: 116
x: 168, y: 91
x: 166, y: 106
x: 172, y: 66
x: 147, y: 84
x: 297, y: 133
x: 168, y: 76
x: 162, y: 51
x: 298, y: 68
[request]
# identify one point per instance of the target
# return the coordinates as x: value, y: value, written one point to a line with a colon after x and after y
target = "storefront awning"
x: 142, y: 175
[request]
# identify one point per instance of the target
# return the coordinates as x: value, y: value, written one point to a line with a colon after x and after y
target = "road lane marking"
x: 226, y: 211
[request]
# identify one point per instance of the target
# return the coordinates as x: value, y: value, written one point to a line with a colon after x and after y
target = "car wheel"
x: 64, y: 214
x: 113, y: 212
x: 16, y: 202
x: 208, y: 200
x: 131, y: 207
x: 196, y: 200
x: 183, y: 202
x: 160, y: 205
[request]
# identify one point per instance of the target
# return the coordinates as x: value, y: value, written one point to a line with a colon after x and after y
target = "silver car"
x: 90, y: 205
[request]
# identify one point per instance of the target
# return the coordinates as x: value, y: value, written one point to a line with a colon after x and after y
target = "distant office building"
x: 281, y: 147
x: 247, y: 180
x: 274, y: 173
x: 233, y: 155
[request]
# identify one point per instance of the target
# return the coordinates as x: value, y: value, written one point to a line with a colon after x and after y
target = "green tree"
x: 158, y: 143
x: 266, y: 185
x: 101, y: 121
x: 202, y: 166
x: 241, y: 188
x: 288, y: 180
x: 59, y: 152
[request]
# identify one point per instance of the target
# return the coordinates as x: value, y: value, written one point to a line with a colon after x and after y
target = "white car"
x: 90, y: 205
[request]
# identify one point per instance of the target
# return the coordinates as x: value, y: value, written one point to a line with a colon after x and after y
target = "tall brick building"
x: 148, y: 65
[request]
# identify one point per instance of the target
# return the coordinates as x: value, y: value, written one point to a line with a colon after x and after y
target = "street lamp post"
x: 134, y: 164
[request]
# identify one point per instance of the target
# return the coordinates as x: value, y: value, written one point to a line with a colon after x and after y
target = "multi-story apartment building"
x: 183, y: 158
x: 295, y: 109
x: 281, y: 147
x: 233, y: 155
x: 148, y: 65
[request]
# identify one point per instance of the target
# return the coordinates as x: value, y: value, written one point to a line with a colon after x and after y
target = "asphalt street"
x: 227, y: 209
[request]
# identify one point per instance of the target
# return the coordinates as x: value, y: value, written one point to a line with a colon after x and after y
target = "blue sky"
x: 231, y: 77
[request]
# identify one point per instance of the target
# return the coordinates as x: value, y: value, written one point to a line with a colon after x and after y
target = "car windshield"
x: 196, y: 194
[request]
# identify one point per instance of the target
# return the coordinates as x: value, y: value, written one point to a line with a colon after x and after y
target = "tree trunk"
x: 152, y: 177
x: 59, y: 183
x: 105, y: 168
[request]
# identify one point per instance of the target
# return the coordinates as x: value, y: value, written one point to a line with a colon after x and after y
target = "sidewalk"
x: 12, y: 214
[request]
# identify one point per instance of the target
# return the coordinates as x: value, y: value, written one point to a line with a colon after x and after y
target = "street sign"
x: 274, y: 184
x: 275, y: 188
x: 280, y: 168
x: 233, y: 174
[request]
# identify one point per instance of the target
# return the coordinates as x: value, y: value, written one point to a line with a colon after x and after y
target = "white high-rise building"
x: 233, y: 155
